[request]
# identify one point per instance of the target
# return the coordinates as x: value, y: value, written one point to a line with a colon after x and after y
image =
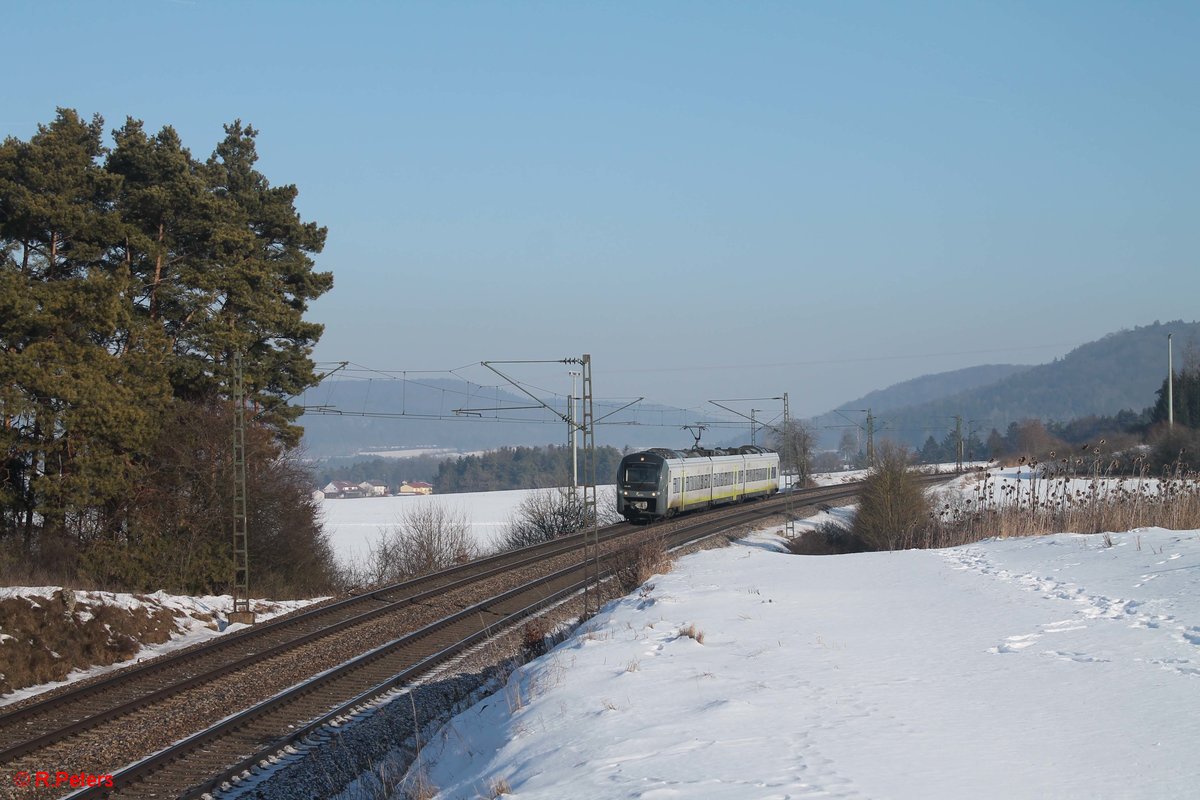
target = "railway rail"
x: 208, y: 757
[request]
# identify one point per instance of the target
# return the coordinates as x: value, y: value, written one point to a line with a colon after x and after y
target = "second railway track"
x: 96, y: 734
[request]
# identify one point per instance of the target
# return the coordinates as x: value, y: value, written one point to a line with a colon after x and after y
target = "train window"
x: 641, y: 474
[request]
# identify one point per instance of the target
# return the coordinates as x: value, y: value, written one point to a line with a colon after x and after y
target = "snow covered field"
x: 1042, y: 667
x: 356, y: 524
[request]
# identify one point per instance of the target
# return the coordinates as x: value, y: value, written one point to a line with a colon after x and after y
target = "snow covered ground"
x: 1041, y: 667
x: 354, y: 525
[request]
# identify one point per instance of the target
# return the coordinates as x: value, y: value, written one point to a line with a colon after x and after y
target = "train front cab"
x: 642, y: 487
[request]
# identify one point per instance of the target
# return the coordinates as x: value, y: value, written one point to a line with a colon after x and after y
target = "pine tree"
x: 77, y: 405
x: 1185, y: 393
x: 128, y: 278
x: 263, y: 278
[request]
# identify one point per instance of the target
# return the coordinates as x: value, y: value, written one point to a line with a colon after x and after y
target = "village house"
x: 416, y: 487
x: 374, y: 489
x: 343, y: 489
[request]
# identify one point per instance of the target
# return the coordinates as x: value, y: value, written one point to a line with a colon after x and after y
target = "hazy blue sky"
x: 835, y: 196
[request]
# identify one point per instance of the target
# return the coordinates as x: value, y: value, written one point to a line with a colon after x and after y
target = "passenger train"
x: 659, y: 483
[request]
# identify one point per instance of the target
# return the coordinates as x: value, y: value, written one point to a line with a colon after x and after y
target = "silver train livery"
x: 659, y: 483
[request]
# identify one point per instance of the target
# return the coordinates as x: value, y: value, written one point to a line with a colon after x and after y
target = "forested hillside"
x: 1122, y: 371
x: 130, y: 277
x: 495, y: 470
x: 926, y: 388
x: 521, y: 468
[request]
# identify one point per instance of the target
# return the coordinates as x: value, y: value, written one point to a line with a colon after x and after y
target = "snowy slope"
x: 195, y: 619
x: 1043, y: 667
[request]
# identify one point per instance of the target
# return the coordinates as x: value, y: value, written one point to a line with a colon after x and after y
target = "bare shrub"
x: 892, y: 509
x: 428, y: 538
x: 533, y: 639
x: 545, y: 515
x: 498, y: 787
x: 636, y: 564
x: 829, y: 538
x: 1174, y: 449
x: 692, y: 632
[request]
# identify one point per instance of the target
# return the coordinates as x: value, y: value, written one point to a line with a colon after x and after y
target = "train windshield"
x: 641, y: 475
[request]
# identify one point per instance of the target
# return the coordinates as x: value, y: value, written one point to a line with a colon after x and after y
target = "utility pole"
x: 958, y: 449
x: 754, y: 426
x: 572, y: 416
x: 241, y: 532
x: 590, y: 508
x: 789, y: 439
x: 1170, y: 385
x: 871, y: 437
x: 789, y: 516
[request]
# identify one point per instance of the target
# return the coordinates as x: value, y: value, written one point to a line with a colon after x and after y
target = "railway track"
x: 31, y: 726
x: 36, y: 732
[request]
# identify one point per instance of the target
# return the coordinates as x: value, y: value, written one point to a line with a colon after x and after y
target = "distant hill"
x: 928, y: 388
x: 910, y: 393
x: 1123, y: 370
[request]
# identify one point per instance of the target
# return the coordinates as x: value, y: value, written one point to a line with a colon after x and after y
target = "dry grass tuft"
x: 421, y: 789
x: 1089, y: 491
x: 635, y: 565
x: 498, y: 787
x: 692, y: 632
x: 1049, y: 498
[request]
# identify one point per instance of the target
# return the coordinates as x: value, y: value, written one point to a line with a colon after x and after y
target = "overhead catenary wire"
x: 499, y: 412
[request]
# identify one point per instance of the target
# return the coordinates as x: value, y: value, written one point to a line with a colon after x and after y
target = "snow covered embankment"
x: 1041, y: 667
x: 49, y: 635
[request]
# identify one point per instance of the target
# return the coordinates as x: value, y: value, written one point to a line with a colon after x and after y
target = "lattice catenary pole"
x: 241, y: 532
x: 591, y: 536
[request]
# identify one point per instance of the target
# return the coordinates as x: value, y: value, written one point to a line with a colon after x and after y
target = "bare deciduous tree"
x: 794, y: 442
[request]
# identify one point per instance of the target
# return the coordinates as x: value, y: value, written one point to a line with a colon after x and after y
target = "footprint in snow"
x: 1062, y: 626
x: 1178, y: 665
x: 1015, y: 644
x: 1079, y: 658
